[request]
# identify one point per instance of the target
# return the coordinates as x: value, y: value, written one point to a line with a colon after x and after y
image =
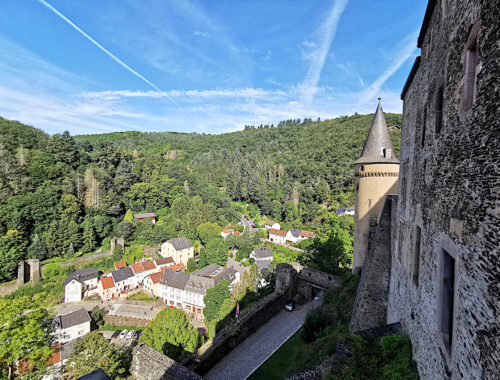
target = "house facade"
x: 263, y: 257
x: 152, y: 284
x: 81, y: 283
x: 179, y: 249
x: 226, y: 233
x: 107, y: 289
x: 124, y: 279
x: 68, y: 327
x: 277, y: 236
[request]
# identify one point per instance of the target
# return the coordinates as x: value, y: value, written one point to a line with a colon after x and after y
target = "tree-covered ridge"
x: 62, y: 194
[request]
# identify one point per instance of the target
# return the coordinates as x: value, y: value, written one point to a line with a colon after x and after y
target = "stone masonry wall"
x: 149, y: 364
x: 370, y: 306
x: 453, y: 196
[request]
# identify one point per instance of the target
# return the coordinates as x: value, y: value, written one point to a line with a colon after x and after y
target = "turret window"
x: 424, y: 122
x: 447, y: 299
x: 384, y: 153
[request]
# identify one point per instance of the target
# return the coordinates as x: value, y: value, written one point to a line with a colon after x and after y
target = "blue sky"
x: 213, y: 66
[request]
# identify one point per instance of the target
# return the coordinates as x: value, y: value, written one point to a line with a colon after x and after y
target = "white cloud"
x: 317, y: 51
x: 405, y: 49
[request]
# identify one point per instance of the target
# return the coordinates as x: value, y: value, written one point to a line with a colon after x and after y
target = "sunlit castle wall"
x: 445, y: 273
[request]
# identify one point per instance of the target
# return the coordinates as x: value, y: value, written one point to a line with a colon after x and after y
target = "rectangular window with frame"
x: 447, y: 299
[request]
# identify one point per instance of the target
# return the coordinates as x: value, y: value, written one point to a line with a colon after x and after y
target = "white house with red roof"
x: 277, y: 236
x: 226, y: 233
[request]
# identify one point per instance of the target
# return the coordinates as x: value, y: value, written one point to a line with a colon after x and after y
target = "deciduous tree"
x: 171, y: 333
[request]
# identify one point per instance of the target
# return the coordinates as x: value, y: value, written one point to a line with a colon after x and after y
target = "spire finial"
x: 379, y: 97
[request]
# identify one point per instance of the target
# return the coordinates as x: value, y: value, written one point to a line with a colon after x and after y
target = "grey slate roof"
x: 122, y: 274
x: 175, y: 279
x: 146, y: 215
x: 264, y: 253
x: 82, y: 275
x: 180, y: 243
x: 72, y: 319
x: 378, y: 139
x: 262, y: 264
x: 228, y: 274
x: 295, y: 232
x: 207, y: 271
x: 199, y: 284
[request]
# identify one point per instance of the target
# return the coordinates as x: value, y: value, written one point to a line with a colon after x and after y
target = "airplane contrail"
x: 114, y: 57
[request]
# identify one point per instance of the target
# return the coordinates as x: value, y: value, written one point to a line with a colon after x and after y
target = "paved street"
x: 258, y: 347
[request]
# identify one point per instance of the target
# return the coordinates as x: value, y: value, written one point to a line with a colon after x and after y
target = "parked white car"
x: 130, y: 334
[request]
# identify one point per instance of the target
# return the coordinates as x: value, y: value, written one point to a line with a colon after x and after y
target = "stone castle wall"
x: 370, y: 306
x: 450, y: 190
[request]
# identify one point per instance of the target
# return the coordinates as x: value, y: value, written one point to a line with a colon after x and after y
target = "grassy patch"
x: 141, y: 296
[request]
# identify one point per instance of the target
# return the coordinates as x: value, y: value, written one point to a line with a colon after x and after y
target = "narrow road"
x: 246, y: 224
x: 250, y: 354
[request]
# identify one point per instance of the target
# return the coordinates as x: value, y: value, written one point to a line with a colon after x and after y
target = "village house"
x: 152, y: 284
x: 271, y: 224
x: 71, y: 326
x: 120, y: 264
x: 124, y: 279
x: 226, y: 233
x: 186, y: 292
x: 149, y: 267
x: 164, y: 262
x: 176, y: 268
x: 263, y: 257
x: 293, y: 235
x: 179, y: 248
x: 147, y: 216
x: 139, y: 272
x: 79, y: 284
x: 107, y: 289
x: 277, y: 236
x: 307, y: 235
x: 345, y: 211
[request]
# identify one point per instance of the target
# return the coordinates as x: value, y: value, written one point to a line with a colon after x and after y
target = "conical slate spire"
x: 378, y: 145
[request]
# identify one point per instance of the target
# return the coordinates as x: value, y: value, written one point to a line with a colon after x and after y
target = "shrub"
x: 316, y: 320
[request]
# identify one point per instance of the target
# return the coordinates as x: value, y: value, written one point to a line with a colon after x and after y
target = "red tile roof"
x: 230, y: 231
x: 237, y: 232
x: 274, y: 231
x: 120, y: 264
x: 164, y: 260
x: 156, y: 277
x: 148, y: 265
x: 307, y: 234
x: 55, y: 357
x: 107, y: 282
x: 176, y: 267
x: 137, y: 268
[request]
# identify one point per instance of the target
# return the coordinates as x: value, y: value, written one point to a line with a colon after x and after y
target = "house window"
x: 416, y: 256
x: 369, y: 203
x: 373, y: 221
x: 470, y: 64
x: 447, y: 299
x: 357, y: 187
x: 424, y: 122
x: 439, y: 111
x: 384, y: 152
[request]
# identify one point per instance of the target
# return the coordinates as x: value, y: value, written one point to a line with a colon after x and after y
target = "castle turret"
x: 377, y: 172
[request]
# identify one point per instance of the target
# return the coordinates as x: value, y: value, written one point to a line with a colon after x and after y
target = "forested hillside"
x: 61, y: 194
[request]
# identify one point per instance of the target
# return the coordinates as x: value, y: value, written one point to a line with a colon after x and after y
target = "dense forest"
x: 64, y: 194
